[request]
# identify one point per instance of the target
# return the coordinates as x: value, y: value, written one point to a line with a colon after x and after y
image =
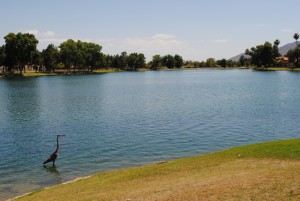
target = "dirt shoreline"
x: 67, y: 182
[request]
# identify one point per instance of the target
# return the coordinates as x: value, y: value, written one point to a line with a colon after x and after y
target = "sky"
x: 194, y: 29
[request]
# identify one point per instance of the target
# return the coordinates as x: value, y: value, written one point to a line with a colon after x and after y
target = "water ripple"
x: 125, y: 119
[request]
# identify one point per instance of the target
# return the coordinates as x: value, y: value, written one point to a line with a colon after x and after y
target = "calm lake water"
x: 121, y: 120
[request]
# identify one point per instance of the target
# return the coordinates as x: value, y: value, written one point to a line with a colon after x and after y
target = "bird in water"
x: 55, y: 154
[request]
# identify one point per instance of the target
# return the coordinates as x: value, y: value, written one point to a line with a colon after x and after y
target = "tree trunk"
x: 21, y: 70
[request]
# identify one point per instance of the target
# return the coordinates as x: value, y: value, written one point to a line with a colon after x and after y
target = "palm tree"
x: 276, y: 44
x: 276, y: 53
x: 296, y: 37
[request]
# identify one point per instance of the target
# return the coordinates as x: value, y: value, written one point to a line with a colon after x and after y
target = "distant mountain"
x: 237, y: 57
x: 282, y: 50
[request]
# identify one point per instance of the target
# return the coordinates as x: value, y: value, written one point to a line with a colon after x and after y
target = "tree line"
x: 20, y: 50
x: 267, y: 54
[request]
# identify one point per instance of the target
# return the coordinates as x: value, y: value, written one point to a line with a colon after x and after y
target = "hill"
x: 265, y: 171
x: 237, y: 57
x: 282, y: 50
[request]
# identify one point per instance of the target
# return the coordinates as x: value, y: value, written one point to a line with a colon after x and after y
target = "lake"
x: 119, y: 120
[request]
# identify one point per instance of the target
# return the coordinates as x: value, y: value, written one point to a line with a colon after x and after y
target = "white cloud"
x: 162, y: 37
x: 84, y: 39
x: 31, y: 31
x: 52, y: 40
x: 161, y: 44
x: 50, y: 37
x: 44, y: 37
x: 49, y: 34
x: 45, y: 41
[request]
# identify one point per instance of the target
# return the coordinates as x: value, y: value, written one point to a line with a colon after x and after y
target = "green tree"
x: 296, y: 37
x: 120, y: 61
x: 222, y: 63
x: 294, y: 56
x: 50, y: 57
x: 178, y: 61
x: 105, y: 61
x: 115, y: 61
x: 210, y: 62
x: 2, y: 56
x: 275, y: 48
x: 19, y: 50
x: 123, y: 60
x: 267, y: 55
x: 230, y: 63
x: 277, y: 42
x: 196, y: 64
x: 141, y: 61
x: 80, y: 59
x: 262, y: 55
x: 156, y: 62
x: 168, y: 61
x: 68, y: 53
x: 91, y: 55
x: 242, y: 60
x: 37, y: 60
x: 135, y: 61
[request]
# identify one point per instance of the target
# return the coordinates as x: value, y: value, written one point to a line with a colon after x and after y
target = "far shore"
x: 59, y: 72
x: 110, y: 70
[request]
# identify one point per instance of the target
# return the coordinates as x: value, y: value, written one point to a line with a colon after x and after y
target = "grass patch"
x: 286, y: 149
x: 265, y: 171
x: 34, y: 74
x: 278, y: 69
x: 107, y: 70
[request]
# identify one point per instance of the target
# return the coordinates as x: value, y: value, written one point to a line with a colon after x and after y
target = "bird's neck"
x: 57, y: 144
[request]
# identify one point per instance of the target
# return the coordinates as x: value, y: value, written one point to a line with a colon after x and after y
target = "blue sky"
x: 195, y: 29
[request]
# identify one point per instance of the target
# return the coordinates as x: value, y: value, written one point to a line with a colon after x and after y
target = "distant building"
x: 282, y: 61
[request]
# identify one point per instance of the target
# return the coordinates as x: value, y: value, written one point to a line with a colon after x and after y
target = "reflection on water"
x: 121, y: 120
x: 54, y: 171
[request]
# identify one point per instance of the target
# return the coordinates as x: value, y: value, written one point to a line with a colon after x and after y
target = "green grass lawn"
x: 264, y: 171
x: 280, y: 69
x: 34, y: 74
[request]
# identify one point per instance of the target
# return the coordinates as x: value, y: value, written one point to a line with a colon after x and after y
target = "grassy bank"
x: 58, y: 72
x: 278, y: 69
x: 100, y: 71
x: 266, y: 171
x: 34, y: 74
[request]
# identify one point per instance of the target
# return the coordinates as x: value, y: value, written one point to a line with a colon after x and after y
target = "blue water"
x: 120, y: 120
